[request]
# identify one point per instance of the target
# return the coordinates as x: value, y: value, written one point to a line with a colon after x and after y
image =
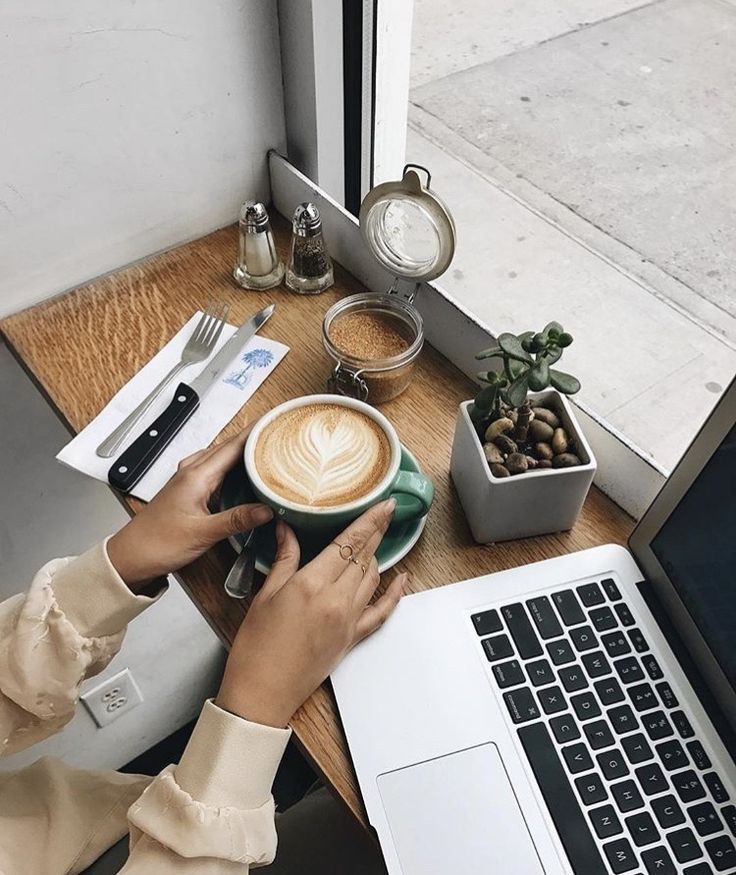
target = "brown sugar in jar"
x: 374, y: 341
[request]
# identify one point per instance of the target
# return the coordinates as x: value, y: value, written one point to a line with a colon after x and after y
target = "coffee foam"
x: 322, y: 455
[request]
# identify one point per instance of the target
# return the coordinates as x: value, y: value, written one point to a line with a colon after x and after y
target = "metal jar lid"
x: 408, y: 228
x: 306, y: 221
x: 254, y: 217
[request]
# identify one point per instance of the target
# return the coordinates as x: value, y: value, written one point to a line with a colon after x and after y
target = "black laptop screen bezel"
x: 706, y: 442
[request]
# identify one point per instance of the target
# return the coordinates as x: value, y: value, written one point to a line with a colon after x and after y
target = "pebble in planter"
x: 520, y: 462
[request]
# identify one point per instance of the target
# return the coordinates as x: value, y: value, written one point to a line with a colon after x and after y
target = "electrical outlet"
x: 112, y: 698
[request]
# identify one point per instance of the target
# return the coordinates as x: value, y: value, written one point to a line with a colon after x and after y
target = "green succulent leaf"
x: 511, y: 345
x: 485, y: 398
x: 489, y: 353
x: 565, y: 339
x: 517, y: 391
x: 539, y: 375
x: 565, y: 383
x: 552, y: 328
x: 552, y: 354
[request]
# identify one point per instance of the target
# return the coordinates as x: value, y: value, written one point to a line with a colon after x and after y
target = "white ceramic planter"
x: 534, y: 503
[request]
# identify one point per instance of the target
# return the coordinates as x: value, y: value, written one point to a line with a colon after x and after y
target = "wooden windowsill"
x: 83, y: 346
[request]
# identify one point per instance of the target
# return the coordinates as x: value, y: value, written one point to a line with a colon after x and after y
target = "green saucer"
x: 396, y: 543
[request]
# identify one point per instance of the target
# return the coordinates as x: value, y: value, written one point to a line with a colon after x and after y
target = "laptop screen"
x: 696, y: 547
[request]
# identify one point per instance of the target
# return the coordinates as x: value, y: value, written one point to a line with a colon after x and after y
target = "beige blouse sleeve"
x: 212, y: 813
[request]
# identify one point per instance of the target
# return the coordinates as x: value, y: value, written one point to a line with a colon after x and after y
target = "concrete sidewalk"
x: 590, y: 171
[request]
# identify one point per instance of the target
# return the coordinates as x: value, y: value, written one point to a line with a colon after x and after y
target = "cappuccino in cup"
x: 322, y: 455
x: 322, y: 460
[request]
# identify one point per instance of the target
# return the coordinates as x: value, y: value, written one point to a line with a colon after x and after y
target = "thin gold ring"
x: 348, y: 554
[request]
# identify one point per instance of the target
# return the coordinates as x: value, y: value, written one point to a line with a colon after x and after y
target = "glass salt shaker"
x: 258, y: 265
x: 309, y: 270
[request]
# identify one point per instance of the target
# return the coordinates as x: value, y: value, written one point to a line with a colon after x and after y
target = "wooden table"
x: 81, y: 347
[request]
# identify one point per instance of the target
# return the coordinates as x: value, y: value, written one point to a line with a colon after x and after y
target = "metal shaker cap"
x: 254, y: 216
x: 307, y: 221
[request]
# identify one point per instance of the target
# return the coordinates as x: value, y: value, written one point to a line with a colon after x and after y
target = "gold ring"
x: 348, y: 554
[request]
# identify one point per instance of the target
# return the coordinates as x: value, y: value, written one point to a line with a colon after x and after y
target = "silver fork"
x: 198, y: 348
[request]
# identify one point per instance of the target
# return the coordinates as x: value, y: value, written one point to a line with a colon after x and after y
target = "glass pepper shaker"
x: 258, y: 265
x: 309, y: 270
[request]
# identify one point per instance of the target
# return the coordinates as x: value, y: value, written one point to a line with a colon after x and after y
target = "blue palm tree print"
x: 256, y: 358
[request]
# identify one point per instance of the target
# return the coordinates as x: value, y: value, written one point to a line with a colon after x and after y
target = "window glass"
x: 586, y: 151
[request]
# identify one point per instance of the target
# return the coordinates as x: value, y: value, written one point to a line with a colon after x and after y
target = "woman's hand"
x: 177, y: 527
x: 303, y: 621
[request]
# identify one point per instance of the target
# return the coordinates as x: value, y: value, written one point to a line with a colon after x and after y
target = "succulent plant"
x: 526, y: 366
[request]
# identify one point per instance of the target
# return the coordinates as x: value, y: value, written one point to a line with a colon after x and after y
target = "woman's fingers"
x: 373, y: 523
x: 375, y: 615
x: 286, y: 563
x: 368, y: 584
x: 241, y: 518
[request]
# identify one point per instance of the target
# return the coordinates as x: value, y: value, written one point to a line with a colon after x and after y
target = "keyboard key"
x: 652, y: 779
x: 667, y: 811
x: 605, y: 822
x: 627, y: 796
x: 687, y: 786
x: 638, y: 640
x: 621, y: 856
x: 585, y: 706
x: 596, y: 664
x: 540, y: 672
x: 508, y: 674
x: 715, y: 785
x: 487, y: 622
x: 698, y: 869
x: 609, y: 691
x: 657, y: 725
x: 622, y: 719
x: 591, y: 789
x: 629, y: 670
x: 636, y: 748
x: 705, y: 818
x: 616, y: 644
x: 497, y: 648
x: 613, y: 765
x: 729, y: 815
x: 684, y: 845
x: 682, y: 724
x: 669, y: 699
x: 568, y: 818
x: 577, y: 758
x: 624, y: 614
x: 552, y: 700
x: 642, y: 697
x: 583, y: 638
x: 671, y: 755
x: 651, y: 666
x: 568, y: 607
x: 697, y: 752
x: 521, y: 705
x: 544, y: 617
x: 598, y: 734
x: 572, y: 678
x: 525, y: 638
x: 590, y: 595
x: 565, y: 728
x: 603, y: 619
x: 658, y: 862
x: 560, y: 652
x: 722, y: 853
x: 642, y: 828
x: 611, y: 590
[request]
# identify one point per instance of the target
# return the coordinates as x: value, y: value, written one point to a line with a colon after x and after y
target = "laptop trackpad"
x: 458, y: 813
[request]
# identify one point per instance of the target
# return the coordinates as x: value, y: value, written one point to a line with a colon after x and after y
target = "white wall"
x: 127, y: 127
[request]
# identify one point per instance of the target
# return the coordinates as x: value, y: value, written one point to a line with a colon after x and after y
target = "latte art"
x: 322, y: 455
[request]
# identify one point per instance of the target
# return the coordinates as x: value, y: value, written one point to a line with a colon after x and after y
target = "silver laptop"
x: 571, y: 716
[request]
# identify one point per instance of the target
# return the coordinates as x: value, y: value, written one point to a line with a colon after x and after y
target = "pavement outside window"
x: 587, y: 153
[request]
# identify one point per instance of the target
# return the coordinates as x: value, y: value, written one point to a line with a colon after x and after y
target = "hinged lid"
x: 407, y: 227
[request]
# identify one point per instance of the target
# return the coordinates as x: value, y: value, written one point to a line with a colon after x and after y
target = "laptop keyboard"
x: 629, y: 786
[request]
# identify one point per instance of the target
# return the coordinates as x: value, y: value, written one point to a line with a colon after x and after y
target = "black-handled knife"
x: 132, y: 464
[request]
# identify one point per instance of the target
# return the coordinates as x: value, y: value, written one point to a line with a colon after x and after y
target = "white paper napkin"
x: 257, y: 360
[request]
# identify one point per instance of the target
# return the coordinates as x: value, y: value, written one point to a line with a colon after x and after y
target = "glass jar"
x: 374, y: 341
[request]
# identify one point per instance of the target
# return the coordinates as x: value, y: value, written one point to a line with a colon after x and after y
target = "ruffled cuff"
x: 217, y: 802
x: 93, y: 596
